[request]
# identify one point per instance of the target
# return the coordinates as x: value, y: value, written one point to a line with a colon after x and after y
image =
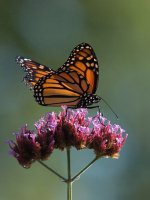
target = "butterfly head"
x: 96, y: 98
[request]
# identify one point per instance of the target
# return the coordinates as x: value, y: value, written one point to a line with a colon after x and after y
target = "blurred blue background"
x: 46, y: 31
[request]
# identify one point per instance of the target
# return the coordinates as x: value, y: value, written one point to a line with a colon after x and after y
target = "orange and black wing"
x: 34, y: 71
x: 84, y: 61
x: 61, y: 88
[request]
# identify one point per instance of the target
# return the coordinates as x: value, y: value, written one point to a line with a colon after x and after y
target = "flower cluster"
x: 70, y: 128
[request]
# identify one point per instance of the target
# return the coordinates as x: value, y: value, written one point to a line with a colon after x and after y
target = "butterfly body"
x: 87, y: 100
x: 74, y: 84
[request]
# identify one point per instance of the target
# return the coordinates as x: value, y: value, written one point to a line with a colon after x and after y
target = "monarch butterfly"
x: 74, y: 84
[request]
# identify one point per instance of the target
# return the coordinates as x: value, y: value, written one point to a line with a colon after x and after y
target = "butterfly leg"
x: 98, y: 107
x: 91, y: 107
x: 69, y: 108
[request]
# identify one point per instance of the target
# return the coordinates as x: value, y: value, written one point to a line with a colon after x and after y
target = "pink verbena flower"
x: 70, y: 128
x: 45, y: 134
x: 106, y: 139
x: 26, y: 150
x: 31, y: 146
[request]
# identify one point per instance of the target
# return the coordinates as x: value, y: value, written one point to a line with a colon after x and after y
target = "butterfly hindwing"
x: 60, y: 88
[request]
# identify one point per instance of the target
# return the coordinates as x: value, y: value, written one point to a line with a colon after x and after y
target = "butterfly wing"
x: 34, y: 71
x: 83, y: 60
x: 61, y: 88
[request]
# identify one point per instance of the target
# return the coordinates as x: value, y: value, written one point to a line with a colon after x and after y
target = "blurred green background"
x: 46, y: 31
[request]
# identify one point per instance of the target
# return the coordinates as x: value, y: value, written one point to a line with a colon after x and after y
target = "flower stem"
x: 69, y: 181
x: 53, y: 171
x: 84, y: 169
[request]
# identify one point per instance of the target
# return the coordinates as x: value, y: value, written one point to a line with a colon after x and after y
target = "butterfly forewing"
x: 83, y: 60
x: 34, y: 71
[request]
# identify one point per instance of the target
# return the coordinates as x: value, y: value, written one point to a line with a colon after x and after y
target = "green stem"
x: 84, y: 169
x: 69, y: 181
x: 53, y: 171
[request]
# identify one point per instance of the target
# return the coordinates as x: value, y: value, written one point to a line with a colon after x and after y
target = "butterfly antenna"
x: 110, y: 107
